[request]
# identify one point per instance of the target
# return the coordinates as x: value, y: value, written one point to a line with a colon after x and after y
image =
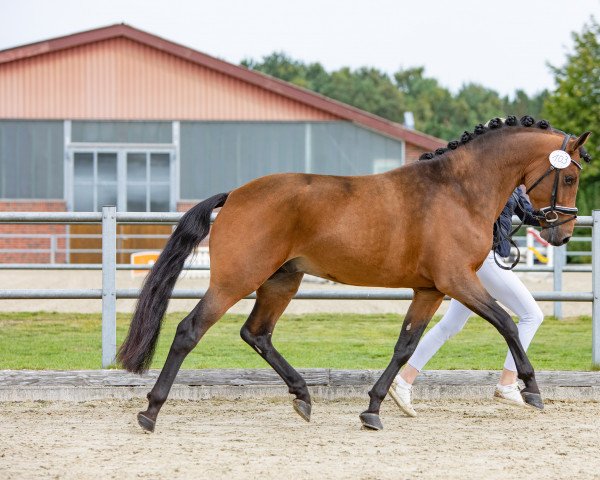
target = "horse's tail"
x: 138, y: 349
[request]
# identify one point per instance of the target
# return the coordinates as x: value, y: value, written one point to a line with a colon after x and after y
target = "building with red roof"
x: 118, y: 116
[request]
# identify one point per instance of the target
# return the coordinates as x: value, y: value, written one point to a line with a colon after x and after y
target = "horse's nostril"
x: 565, y: 240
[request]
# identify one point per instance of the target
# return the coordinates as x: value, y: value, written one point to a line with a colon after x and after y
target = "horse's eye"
x: 569, y: 180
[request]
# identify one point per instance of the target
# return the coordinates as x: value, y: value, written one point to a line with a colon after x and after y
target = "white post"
x: 560, y: 254
x: 52, y: 249
x: 529, y: 253
x: 308, y: 148
x: 596, y: 288
x: 109, y: 293
x: 550, y: 255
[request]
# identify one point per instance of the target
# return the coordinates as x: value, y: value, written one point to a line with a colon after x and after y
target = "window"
x: 134, y: 181
x: 148, y: 185
x: 94, y: 180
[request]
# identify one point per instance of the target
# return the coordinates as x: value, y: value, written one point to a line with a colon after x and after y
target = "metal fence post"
x: 53, y: 247
x: 109, y: 288
x: 560, y: 258
x: 596, y: 288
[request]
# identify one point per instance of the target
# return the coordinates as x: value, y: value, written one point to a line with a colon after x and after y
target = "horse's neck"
x: 489, y: 174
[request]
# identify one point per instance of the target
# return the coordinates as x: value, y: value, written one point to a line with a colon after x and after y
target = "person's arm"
x: 524, y: 209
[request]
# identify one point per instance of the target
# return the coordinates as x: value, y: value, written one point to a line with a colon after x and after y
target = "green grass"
x: 44, y: 340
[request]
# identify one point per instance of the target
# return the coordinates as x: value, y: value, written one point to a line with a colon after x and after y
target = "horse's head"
x: 552, y: 184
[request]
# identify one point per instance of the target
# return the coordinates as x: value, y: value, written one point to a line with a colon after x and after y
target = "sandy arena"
x: 258, y: 438
x: 265, y: 439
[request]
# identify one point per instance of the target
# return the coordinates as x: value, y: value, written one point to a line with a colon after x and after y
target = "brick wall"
x: 22, y: 242
x: 185, y: 205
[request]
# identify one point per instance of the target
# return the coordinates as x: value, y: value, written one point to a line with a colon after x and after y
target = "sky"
x: 504, y: 45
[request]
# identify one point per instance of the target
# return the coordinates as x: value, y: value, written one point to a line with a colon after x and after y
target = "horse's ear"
x: 579, y: 141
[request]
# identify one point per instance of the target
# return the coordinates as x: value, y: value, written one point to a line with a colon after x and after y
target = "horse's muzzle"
x: 556, y: 237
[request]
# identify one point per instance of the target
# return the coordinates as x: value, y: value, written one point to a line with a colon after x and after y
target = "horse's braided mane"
x: 494, y: 124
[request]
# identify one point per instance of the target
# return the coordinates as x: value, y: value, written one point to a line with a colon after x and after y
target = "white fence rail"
x: 109, y: 293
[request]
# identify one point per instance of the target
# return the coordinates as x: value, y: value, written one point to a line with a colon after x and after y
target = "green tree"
x: 432, y: 105
x: 436, y: 110
x: 365, y: 88
x: 478, y: 104
x: 368, y: 89
x: 278, y: 64
x: 444, y: 115
x: 575, y: 106
x: 521, y: 104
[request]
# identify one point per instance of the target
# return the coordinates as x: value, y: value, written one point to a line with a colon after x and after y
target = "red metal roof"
x: 288, y: 90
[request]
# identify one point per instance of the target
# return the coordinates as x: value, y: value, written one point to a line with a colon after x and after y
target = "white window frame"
x: 382, y: 165
x: 121, y: 149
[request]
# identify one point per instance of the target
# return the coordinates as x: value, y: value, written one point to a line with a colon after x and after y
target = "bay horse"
x: 426, y: 225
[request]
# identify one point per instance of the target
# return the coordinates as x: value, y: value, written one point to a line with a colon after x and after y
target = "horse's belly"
x: 360, y: 274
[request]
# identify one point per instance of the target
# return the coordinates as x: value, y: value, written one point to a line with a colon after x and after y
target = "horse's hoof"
x: 146, y: 423
x: 302, y: 408
x: 533, y: 399
x: 371, y: 421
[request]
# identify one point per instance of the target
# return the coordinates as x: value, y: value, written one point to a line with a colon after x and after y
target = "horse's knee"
x: 508, y: 328
x: 406, y: 342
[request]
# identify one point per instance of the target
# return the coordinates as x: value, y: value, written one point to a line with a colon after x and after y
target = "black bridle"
x: 549, y: 214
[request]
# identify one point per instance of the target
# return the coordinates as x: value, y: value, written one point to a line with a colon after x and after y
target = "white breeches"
x: 506, y: 288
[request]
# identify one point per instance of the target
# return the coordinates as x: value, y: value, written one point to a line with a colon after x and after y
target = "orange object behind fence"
x: 148, y: 257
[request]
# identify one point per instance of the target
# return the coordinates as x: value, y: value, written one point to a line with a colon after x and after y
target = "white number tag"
x: 560, y: 159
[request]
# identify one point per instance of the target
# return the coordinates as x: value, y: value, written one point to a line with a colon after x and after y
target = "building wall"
x: 214, y: 156
x: 31, y: 159
x: 119, y: 91
x: 123, y: 79
x: 342, y: 148
x: 218, y: 157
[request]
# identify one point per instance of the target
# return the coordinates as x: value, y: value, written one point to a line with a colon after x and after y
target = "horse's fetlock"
x: 155, y: 400
x: 527, y: 375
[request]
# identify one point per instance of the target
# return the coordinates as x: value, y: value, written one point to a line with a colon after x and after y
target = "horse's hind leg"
x: 272, y: 298
x: 189, y: 332
x: 424, y: 305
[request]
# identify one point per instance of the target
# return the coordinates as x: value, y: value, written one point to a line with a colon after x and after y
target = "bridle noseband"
x: 550, y: 213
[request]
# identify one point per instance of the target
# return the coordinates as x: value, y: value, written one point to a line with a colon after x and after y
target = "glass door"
x: 132, y: 180
x: 94, y: 180
x: 148, y: 182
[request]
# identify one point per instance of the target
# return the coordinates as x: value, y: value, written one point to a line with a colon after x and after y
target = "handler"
x: 505, y: 287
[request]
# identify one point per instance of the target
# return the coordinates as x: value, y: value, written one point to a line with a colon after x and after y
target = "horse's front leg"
x: 473, y: 295
x: 424, y: 305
